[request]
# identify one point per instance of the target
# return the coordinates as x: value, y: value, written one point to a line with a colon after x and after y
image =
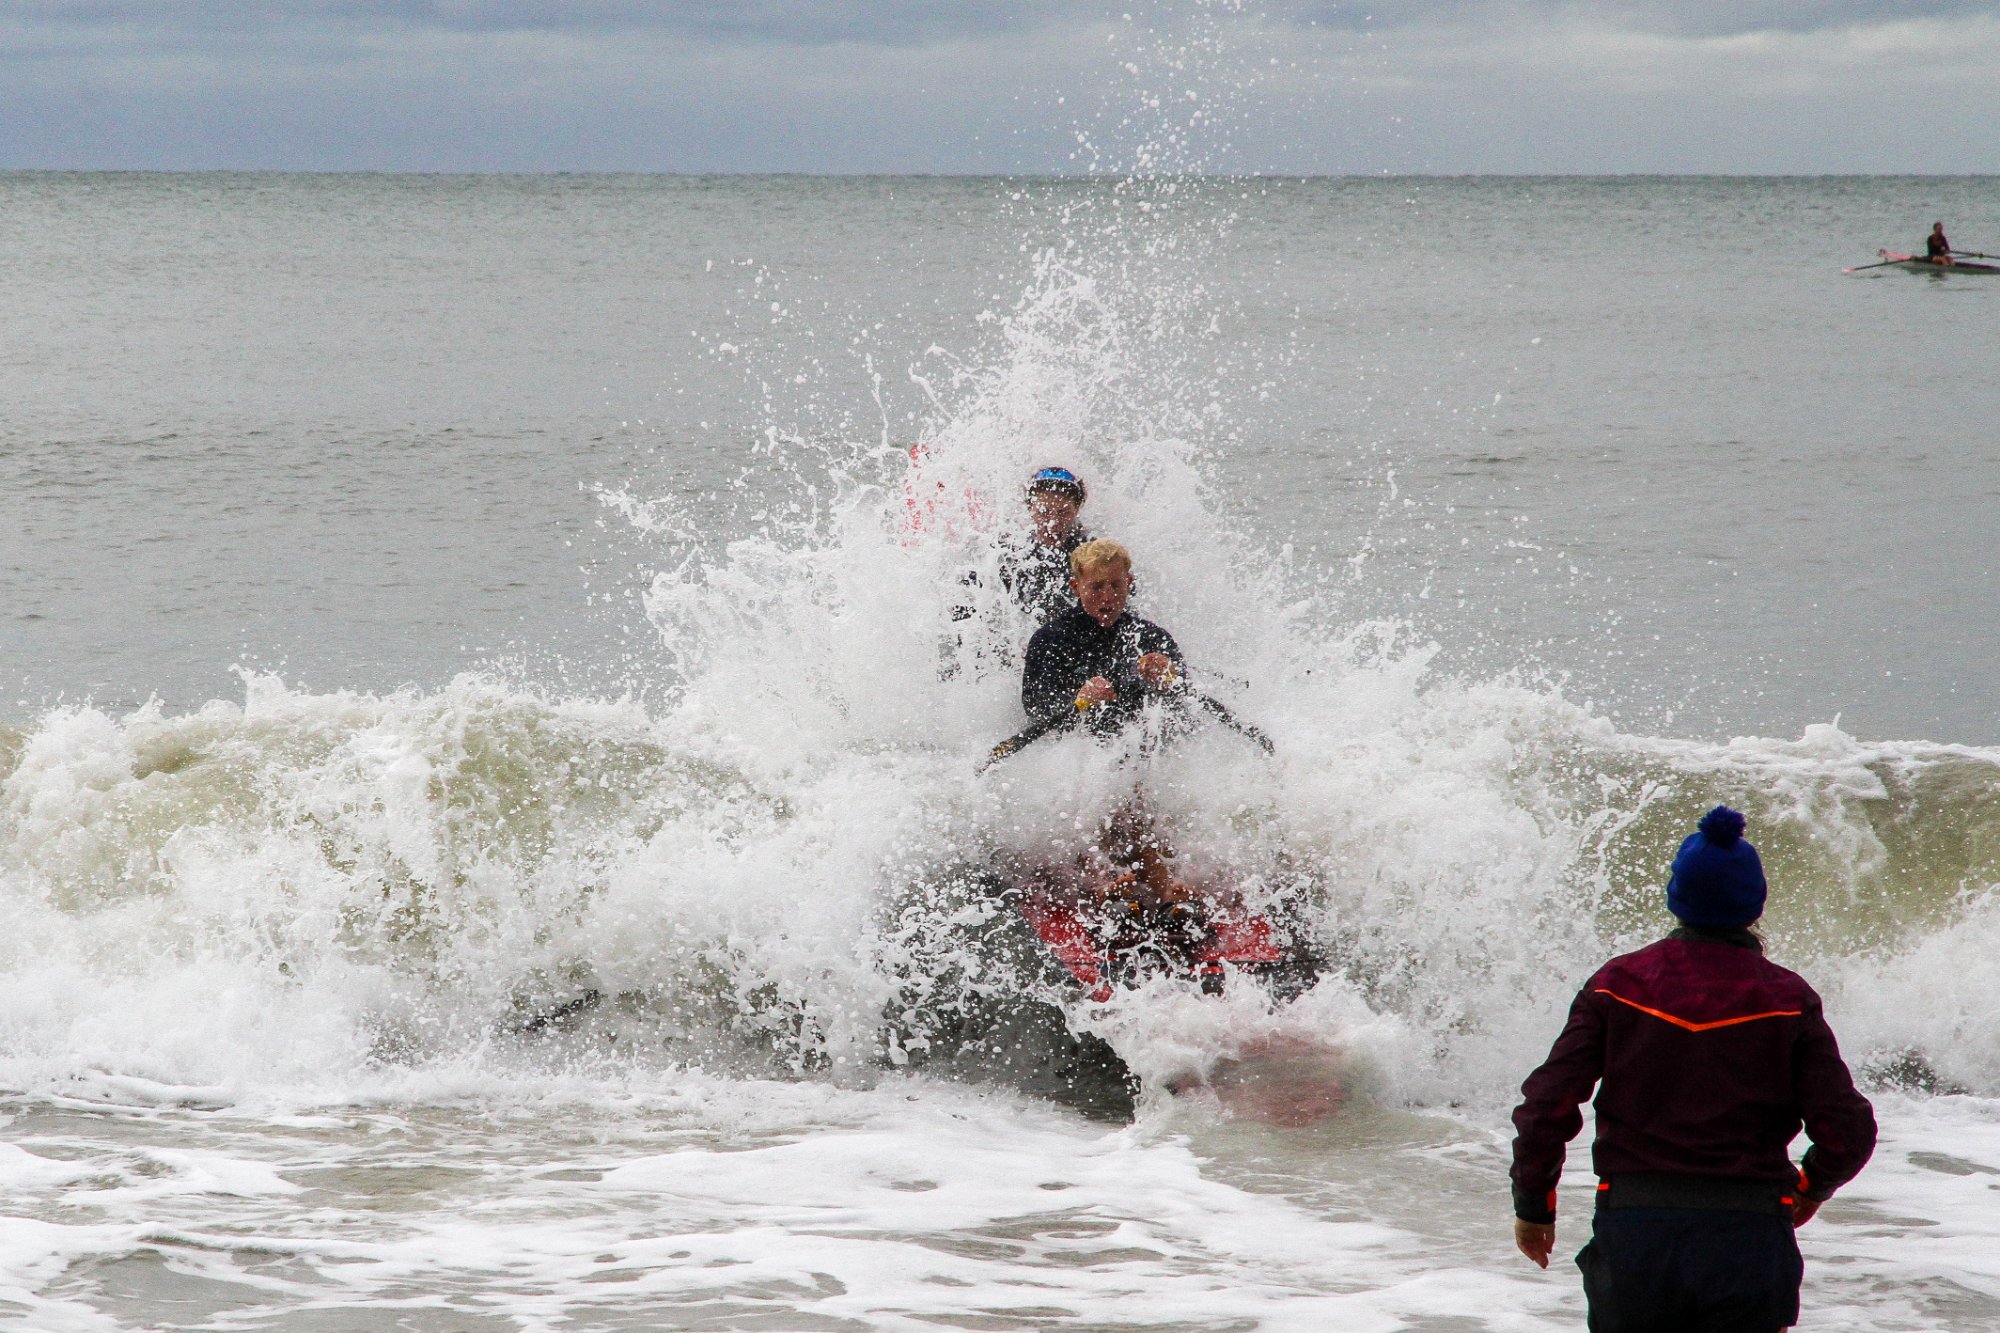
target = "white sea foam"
x: 304, y: 889
x: 268, y: 962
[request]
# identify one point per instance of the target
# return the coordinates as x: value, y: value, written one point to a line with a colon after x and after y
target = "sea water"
x: 433, y: 601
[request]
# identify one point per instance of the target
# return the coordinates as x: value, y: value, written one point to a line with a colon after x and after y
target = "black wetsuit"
x: 1936, y: 247
x: 1036, y: 574
x: 1072, y: 648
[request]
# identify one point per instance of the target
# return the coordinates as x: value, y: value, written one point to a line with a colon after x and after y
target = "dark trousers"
x: 1690, y: 1270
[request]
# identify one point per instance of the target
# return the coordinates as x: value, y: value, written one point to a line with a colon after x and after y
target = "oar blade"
x: 1221, y: 713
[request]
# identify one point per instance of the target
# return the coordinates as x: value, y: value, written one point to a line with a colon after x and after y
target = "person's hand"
x: 1157, y: 670
x: 1537, y: 1240
x: 1096, y: 690
x: 1803, y: 1209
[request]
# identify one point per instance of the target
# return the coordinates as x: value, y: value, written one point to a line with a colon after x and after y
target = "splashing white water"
x: 310, y: 890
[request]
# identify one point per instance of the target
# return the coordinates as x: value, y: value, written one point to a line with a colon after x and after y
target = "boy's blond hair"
x: 1099, y: 554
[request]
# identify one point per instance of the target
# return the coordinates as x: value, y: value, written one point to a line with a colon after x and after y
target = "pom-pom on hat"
x: 1717, y: 879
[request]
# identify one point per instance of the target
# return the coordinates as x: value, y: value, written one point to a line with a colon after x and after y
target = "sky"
x: 1003, y: 86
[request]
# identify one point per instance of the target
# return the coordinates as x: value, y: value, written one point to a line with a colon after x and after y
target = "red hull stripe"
x: 1699, y: 1027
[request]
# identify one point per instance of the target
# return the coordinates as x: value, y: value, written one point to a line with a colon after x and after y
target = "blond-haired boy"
x: 1099, y: 659
x: 1097, y: 655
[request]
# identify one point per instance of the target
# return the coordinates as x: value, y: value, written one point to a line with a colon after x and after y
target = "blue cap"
x: 1717, y: 880
x: 1057, y: 479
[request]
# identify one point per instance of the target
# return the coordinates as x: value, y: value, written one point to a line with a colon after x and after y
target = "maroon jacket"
x: 1707, y: 1059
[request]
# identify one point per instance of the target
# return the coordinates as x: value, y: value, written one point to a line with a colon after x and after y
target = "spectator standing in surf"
x: 1707, y: 1059
x: 1936, y: 247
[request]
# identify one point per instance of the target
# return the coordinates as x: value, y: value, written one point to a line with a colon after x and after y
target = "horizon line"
x: 1081, y: 177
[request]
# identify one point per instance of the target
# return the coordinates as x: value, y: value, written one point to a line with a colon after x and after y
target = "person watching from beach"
x: 1936, y: 248
x: 1707, y: 1059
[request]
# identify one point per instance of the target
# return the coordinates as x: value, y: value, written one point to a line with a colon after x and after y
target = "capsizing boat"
x: 1105, y: 941
x: 1006, y: 962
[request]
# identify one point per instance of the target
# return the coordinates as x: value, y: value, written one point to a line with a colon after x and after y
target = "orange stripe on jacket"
x: 1699, y: 1027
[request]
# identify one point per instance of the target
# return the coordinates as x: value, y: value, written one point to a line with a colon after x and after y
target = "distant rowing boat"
x: 1919, y: 264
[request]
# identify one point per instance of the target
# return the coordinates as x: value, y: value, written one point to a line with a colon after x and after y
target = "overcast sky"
x: 1293, y: 86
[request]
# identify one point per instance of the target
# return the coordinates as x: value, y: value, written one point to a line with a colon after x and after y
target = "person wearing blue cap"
x: 1034, y: 571
x: 1707, y: 1060
x: 1034, y: 567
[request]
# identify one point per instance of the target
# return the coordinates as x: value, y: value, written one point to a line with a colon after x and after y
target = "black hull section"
x: 989, y: 981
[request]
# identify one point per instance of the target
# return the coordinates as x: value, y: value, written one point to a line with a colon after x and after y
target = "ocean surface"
x: 489, y: 837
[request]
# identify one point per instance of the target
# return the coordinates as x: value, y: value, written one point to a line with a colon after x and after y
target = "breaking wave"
x: 772, y: 866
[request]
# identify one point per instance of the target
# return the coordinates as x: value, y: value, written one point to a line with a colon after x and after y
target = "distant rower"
x: 1936, y: 247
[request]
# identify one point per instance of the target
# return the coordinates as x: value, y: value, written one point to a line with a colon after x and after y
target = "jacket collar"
x: 1739, y: 936
x: 1084, y: 619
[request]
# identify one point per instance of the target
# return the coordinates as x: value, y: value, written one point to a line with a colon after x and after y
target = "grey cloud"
x: 973, y: 85
x: 905, y: 23
x: 801, y: 22
x: 1671, y: 18
x: 797, y: 22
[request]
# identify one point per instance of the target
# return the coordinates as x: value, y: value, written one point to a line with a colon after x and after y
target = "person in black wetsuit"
x: 1097, y: 656
x: 1034, y: 571
x: 1099, y: 659
x: 1936, y: 248
x: 1034, y: 567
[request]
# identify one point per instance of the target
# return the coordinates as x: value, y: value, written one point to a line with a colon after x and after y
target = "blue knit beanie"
x: 1717, y: 880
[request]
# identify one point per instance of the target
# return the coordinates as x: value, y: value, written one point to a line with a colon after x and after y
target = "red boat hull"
x: 1231, y: 940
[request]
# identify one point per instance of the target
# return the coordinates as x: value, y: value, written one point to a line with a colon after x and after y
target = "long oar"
x: 1883, y: 264
x: 1972, y: 254
x: 1228, y: 719
x: 1034, y: 731
x: 1031, y: 733
x: 545, y: 1020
